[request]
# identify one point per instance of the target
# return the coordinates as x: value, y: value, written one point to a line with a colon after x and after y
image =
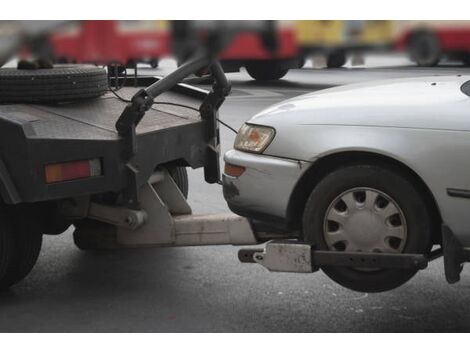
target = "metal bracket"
x: 298, y: 257
x: 170, y: 223
x: 118, y: 216
x: 286, y: 256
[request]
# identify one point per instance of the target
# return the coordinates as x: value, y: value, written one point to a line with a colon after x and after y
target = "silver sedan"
x: 376, y: 167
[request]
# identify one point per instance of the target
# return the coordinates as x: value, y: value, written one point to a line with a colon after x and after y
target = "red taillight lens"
x: 72, y: 170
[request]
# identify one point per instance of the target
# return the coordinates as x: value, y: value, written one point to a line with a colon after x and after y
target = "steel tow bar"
x: 298, y: 257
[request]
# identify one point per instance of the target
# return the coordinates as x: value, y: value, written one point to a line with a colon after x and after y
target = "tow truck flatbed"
x: 39, y: 135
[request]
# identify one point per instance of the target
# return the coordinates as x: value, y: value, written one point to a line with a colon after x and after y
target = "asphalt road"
x: 207, y: 289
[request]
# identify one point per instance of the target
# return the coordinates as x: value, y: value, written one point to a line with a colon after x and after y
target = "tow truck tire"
x: 20, y: 244
x: 424, y: 49
x: 94, y: 235
x: 336, y: 60
x: 413, y: 209
x: 266, y: 70
x: 180, y: 176
x: 63, y: 83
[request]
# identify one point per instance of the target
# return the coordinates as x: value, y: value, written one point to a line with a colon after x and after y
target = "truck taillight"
x: 72, y: 170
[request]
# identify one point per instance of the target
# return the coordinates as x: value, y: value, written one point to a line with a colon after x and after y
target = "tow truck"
x: 112, y: 163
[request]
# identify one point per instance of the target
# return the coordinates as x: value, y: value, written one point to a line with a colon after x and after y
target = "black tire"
x: 401, y: 190
x: 63, y: 83
x: 20, y: 244
x: 424, y: 49
x: 116, y: 69
x: 266, y: 70
x: 180, y: 176
x: 90, y: 234
x: 336, y: 60
x: 466, y: 59
x: 154, y: 63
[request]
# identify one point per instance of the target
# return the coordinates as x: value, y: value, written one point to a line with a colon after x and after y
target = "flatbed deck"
x: 43, y: 134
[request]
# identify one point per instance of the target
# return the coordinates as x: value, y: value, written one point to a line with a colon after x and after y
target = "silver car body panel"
x: 266, y: 184
x: 422, y: 122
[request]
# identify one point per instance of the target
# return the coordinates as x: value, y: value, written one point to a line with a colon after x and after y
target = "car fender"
x: 436, y: 156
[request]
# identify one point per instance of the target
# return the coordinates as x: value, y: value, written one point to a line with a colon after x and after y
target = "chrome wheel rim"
x: 365, y: 220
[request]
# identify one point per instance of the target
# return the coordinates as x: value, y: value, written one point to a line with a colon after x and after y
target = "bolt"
x: 129, y: 220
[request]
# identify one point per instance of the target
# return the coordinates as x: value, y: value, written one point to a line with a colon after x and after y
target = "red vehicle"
x: 429, y: 42
x: 111, y: 42
x: 125, y: 43
x: 247, y: 51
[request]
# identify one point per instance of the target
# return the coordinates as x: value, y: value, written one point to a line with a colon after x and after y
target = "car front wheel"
x: 367, y: 208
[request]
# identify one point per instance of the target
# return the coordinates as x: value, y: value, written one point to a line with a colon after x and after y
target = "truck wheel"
x: 180, y: 176
x: 336, y: 59
x: 20, y: 244
x: 367, y: 208
x: 92, y: 234
x: 63, y: 83
x: 424, y: 49
x: 266, y: 70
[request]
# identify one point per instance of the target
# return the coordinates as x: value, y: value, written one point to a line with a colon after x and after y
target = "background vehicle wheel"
x: 20, y: 244
x: 466, y: 59
x: 424, y: 49
x: 266, y: 70
x: 62, y: 83
x: 370, y: 209
x: 154, y: 63
x: 336, y: 60
x: 91, y: 234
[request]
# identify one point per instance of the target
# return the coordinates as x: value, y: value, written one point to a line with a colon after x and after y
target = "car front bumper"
x: 263, y: 191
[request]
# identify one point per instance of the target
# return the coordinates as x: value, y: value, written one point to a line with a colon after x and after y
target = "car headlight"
x: 253, y: 138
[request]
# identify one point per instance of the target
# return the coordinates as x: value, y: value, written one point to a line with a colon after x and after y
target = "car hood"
x: 423, y: 103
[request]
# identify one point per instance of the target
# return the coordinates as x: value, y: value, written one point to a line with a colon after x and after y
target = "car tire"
x: 91, y: 234
x: 336, y: 60
x: 20, y: 245
x: 424, y: 49
x: 412, y: 212
x: 62, y: 83
x: 266, y: 70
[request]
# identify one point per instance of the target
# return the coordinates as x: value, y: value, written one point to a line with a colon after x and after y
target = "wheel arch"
x: 328, y: 163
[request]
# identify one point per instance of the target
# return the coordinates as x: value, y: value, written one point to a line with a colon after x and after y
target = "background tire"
x: 336, y: 60
x: 266, y: 70
x: 20, y: 244
x: 63, y: 83
x: 388, y: 181
x: 466, y: 59
x: 424, y: 49
x: 91, y: 234
x: 154, y: 63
